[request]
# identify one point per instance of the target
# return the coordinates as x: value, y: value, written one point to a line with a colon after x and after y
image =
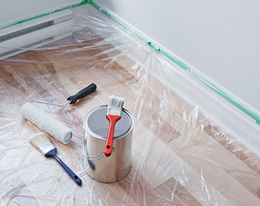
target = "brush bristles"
x: 115, y: 105
x: 42, y: 143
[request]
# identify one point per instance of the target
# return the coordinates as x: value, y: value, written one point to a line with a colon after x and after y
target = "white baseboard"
x: 34, y: 33
x: 225, y: 115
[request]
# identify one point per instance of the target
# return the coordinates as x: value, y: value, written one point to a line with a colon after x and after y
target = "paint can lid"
x: 96, y: 124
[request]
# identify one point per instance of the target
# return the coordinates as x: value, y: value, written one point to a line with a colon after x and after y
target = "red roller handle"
x: 110, y: 135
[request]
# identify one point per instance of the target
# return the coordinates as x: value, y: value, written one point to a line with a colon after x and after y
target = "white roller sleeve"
x: 47, y: 123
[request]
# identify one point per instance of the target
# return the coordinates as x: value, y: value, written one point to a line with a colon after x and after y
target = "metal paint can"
x: 96, y: 164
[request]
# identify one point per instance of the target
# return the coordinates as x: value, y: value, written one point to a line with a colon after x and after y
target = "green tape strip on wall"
x: 68, y: 7
x: 182, y: 65
x: 214, y: 88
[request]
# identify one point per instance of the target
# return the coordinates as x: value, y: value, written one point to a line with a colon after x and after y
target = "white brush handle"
x: 46, y: 123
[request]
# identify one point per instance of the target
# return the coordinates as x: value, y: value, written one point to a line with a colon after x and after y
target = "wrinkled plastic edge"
x: 230, y: 115
x: 157, y: 50
x: 182, y: 65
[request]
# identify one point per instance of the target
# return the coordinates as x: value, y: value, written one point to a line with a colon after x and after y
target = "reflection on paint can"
x: 97, y: 165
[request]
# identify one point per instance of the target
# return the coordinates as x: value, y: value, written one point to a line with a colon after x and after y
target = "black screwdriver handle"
x: 82, y: 93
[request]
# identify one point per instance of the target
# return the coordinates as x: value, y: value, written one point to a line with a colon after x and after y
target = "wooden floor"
x: 178, y: 156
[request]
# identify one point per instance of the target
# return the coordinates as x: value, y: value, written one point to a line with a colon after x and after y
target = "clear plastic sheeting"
x: 179, y: 155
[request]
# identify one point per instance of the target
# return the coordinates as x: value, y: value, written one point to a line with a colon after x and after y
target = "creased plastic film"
x: 180, y: 155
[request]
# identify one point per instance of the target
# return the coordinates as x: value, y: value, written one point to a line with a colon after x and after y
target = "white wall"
x: 12, y: 11
x: 220, y: 38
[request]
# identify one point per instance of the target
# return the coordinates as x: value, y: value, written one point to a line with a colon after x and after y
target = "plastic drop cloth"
x: 179, y: 156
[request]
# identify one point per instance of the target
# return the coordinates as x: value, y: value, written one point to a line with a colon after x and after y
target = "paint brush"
x: 114, y: 112
x: 43, y: 144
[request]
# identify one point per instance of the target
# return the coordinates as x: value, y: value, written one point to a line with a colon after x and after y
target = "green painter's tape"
x: 182, y: 65
x: 154, y: 47
x: 176, y: 61
x: 126, y: 29
x: 115, y: 19
x: 72, y: 6
x: 214, y: 88
x: 186, y: 68
x: 140, y: 37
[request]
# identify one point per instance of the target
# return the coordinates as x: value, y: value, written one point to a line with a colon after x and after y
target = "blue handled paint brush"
x: 43, y: 144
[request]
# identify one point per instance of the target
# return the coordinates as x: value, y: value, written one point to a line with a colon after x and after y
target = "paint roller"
x: 49, y: 124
